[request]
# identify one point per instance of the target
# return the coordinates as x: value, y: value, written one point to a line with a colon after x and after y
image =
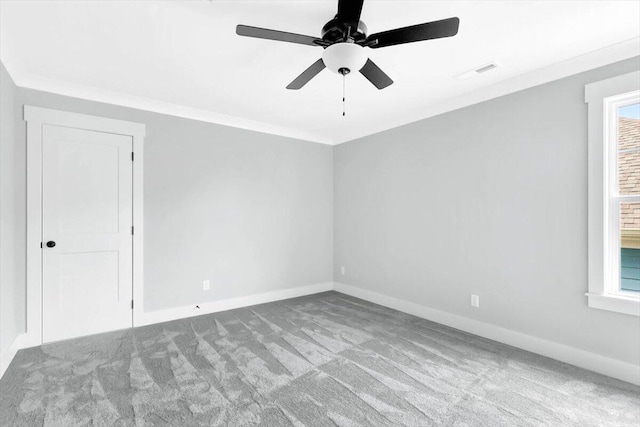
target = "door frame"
x: 36, y: 118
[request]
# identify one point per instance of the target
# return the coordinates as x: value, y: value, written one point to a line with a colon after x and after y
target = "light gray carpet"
x: 321, y: 360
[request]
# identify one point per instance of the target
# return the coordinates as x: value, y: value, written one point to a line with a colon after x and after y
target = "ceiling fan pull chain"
x: 344, y: 77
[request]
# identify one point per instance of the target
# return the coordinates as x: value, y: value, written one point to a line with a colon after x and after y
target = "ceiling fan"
x: 344, y: 39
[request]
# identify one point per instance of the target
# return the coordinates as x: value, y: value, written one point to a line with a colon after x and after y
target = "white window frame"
x: 604, y: 98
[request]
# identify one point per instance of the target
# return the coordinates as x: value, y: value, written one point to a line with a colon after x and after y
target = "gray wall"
x: 489, y: 200
x: 249, y: 211
x: 12, y: 221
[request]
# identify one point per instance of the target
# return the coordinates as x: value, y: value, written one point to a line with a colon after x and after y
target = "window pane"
x: 629, y: 149
x: 630, y: 247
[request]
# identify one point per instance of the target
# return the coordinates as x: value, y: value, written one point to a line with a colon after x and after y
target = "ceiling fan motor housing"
x: 337, y: 30
x: 342, y: 58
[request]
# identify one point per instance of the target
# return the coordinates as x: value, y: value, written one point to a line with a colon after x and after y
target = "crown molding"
x: 588, y: 61
x: 598, y: 58
x: 28, y: 81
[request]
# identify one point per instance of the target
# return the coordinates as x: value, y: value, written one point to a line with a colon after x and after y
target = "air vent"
x: 485, y: 68
x: 476, y: 71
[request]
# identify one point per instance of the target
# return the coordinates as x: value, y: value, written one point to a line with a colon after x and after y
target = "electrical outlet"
x: 343, y: 270
x: 475, y: 301
x: 206, y: 285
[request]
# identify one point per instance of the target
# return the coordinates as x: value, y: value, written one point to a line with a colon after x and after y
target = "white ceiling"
x: 184, y: 58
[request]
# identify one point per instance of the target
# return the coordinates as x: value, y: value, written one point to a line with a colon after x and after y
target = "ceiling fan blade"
x: 307, y: 75
x: 264, y: 33
x: 375, y: 75
x: 349, y: 11
x: 415, y: 33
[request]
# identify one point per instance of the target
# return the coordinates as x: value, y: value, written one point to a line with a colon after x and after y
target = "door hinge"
x: 131, y: 304
x: 132, y: 156
x: 132, y: 230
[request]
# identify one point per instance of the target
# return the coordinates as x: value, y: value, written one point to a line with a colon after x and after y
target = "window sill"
x: 618, y: 303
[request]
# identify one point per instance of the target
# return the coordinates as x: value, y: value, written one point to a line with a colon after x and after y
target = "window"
x: 622, y: 183
x: 628, y: 179
x: 614, y: 194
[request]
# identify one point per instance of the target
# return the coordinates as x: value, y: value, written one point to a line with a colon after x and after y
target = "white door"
x: 87, y: 221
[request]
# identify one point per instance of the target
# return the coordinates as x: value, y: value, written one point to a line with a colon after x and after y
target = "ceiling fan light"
x: 344, y: 55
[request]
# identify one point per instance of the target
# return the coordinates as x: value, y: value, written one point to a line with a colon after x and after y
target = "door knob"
x: 51, y: 244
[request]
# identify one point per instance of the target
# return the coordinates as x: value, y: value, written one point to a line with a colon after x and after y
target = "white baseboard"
x: 571, y: 355
x: 159, y: 316
x: 7, y: 356
x: 593, y: 362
